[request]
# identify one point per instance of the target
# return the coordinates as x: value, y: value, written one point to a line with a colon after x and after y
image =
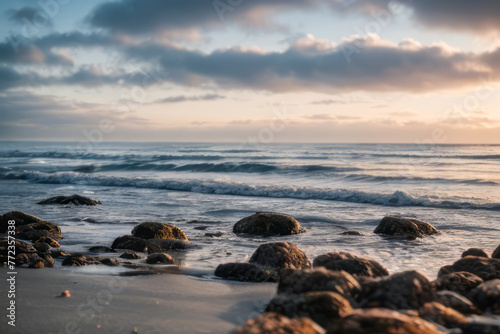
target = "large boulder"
x: 496, y: 253
x: 487, y: 296
x: 73, y: 199
x: 461, y: 282
x: 404, y: 290
x: 405, y: 227
x: 161, y: 245
x: 280, y: 255
x: 475, y: 252
x: 319, y: 279
x: 353, y: 264
x: 246, y: 272
x: 273, y: 323
x: 34, y: 260
x: 267, y: 223
x: 151, y: 230
x: 485, y: 268
x: 29, y: 227
x: 442, y: 315
x: 130, y: 242
x: 456, y: 302
x: 321, y: 306
x: 379, y: 320
x: 26, y: 255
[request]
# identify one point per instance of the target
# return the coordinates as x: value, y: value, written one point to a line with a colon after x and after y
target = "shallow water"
x: 328, y: 188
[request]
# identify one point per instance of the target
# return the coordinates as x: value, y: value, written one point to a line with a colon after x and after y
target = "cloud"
x: 328, y: 102
x: 28, y: 15
x: 184, y: 98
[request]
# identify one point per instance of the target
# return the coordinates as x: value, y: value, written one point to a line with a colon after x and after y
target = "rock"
x: 280, y: 255
x: 42, y: 247
x: 485, y: 268
x: 150, y: 230
x: 267, y: 223
x: 130, y: 242
x: 201, y: 228
x: 353, y: 264
x: 351, y: 233
x: 101, y: 249
x: 51, y: 242
x: 159, y: 258
x: 29, y: 227
x: 161, y: 245
x: 456, y: 302
x: 214, y: 235
x: 34, y: 260
x: 80, y: 260
x: 461, y: 282
x: 442, y: 315
x: 273, y: 323
x: 319, y: 279
x: 404, y: 290
x: 487, y: 296
x: 73, y: 199
x: 21, y: 247
x: 496, y: 253
x: 246, y: 272
x: 475, y: 252
x: 381, y: 321
x: 109, y: 261
x: 482, y: 325
x: 131, y: 256
x: 57, y: 253
x: 405, y: 227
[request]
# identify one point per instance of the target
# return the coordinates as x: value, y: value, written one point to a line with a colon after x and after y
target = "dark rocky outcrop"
x: 101, y: 249
x: 34, y: 260
x: 29, y: 227
x: 280, y: 255
x: 461, y: 282
x: 273, y: 323
x: 80, y: 260
x: 353, y: 264
x: 268, y: 223
x: 246, y: 272
x: 109, y: 261
x: 151, y: 230
x: 487, y: 296
x: 456, y: 302
x: 131, y: 256
x: 496, y: 253
x: 442, y: 315
x: 405, y: 227
x: 319, y: 279
x: 485, y: 268
x: 130, y: 242
x: 42, y: 247
x: 51, y: 242
x: 73, y: 199
x: 323, y: 307
x: 26, y: 255
x: 161, y: 245
x: 381, y: 321
x: 159, y: 258
x: 475, y: 252
x: 404, y: 290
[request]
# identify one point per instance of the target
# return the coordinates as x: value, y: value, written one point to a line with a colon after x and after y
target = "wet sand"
x: 139, y: 304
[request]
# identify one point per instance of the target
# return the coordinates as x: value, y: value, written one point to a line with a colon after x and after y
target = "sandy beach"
x: 139, y: 304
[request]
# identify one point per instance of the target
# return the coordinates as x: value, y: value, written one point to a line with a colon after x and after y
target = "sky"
x: 370, y: 71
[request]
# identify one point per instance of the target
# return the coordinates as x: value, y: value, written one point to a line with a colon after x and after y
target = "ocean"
x: 328, y: 188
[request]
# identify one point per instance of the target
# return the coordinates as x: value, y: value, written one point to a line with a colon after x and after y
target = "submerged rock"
x: 151, y: 230
x: 131, y: 256
x: 405, y: 227
x: 461, y: 282
x: 485, y: 268
x: 475, y: 252
x: 159, y: 258
x: 321, y: 306
x: 404, y: 290
x: 246, y: 272
x: 268, y: 223
x: 319, y: 279
x: 273, y: 323
x: 109, y: 261
x: 487, y: 296
x: 352, y: 233
x: 280, y: 255
x: 379, y: 320
x: 101, y: 249
x: 456, y: 302
x: 29, y: 227
x: 353, y: 264
x: 442, y: 315
x: 73, y: 199
x: 130, y: 242
x: 161, y: 245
